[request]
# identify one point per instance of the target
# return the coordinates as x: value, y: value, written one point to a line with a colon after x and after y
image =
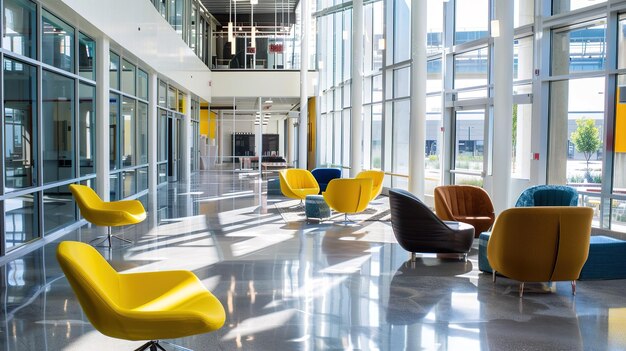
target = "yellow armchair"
x: 297, y: 183
x: 348, y: 195
x: 109, y: 214
x: 377, y: 178
x: 540, y: 244
x: 138, y: 306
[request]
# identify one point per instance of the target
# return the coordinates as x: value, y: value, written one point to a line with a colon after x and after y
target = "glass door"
x: 469, y: 145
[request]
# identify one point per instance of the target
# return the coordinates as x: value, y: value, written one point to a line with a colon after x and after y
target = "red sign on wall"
x: 276, y: 48
x: 251, y: 50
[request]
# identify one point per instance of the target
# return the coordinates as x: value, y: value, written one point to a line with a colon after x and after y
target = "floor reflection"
x: 306, y: 286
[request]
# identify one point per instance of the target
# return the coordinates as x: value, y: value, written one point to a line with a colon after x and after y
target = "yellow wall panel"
x: 620, y: 125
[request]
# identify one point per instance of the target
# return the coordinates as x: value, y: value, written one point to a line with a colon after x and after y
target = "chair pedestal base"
x: 108, y: 238
x: 155, y: 345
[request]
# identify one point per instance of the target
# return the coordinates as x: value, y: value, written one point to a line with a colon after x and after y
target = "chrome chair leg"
x: 493, y: 276
x: 574, y: 287
x: 413, y: 257
x: 521, y: 289
x: 108, y: 238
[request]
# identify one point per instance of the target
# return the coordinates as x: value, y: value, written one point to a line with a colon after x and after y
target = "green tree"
x: 586, y: 138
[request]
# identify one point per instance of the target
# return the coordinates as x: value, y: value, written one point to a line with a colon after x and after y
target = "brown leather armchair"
x: 465, y: 203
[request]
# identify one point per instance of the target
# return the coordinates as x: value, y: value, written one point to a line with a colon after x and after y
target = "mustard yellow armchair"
x: 109, y: 214
x: 540, y: 244
x: 348, y: 195
x: 377, y: 178
x: 138, y: 306
x: 297, y: 183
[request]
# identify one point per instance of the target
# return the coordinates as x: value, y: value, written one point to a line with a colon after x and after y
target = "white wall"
x: 259, y: 83
x: 138, y: 28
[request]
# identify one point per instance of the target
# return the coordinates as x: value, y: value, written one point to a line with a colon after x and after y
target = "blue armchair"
x: 548, y: 195
x: 324, y: 176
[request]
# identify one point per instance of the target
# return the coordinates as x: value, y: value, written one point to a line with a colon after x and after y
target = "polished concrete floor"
x: 306, y: 286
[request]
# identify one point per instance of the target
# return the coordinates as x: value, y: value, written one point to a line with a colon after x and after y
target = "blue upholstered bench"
x: 607, y: 259
x: 316, y: 207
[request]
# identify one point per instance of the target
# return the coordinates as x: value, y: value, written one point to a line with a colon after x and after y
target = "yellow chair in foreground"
x: 138, y: 306
x: 540, y: 244
x: 348, y: 195
x: 297, y: 183
x: 377, y: 181
x: 109, y: 214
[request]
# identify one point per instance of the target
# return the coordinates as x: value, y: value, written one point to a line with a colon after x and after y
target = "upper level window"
x: 19, y: 32
x: 57, y: 43
x: 471, y: 18
x: 563, y: 6
x: 582, y: 48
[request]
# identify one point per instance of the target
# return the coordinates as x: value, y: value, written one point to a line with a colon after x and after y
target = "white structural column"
x: 153, y: 122
x: 356, y: 97
x: 185, y: 144
x: 417, y: 132
x: 502, y: 105
x: 304, y: 65
x: 103, y: 60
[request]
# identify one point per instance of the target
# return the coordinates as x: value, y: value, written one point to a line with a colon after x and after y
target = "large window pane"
x: 523, y: 59
x: 563, y: 6
x: 579, y: 49
x: 377, y: 136
x: 434, y: 24
x: 129, y: 184
x: 57, y: 43
x: 20, y: 220
x: 19, y: 34
x: 162, y: 133
x: 524, y: 12
x: 20, y: 116
x: 142, y: 133
x: 433, y: 76
x: 470, y: 20
x: 621, y: 49
x: 172, y: 98
x: 433, y: 142
x: 86, y: 57
x: 58, y: 116
x: 128, y: 132
x: 401, y: 82
x: 114, y: 71
x: 87, y: 129
x: 114, y: 112
x: 378, y: 37
x: 346, y: 138
x: 128, y: 77
x: 58, y: 208
x: 162, y: 91
x: 471, y: 70
x: 400, y: 143
x: 576, y: 124
x: 401, y: 30
x: 469, y: 140
x: 142, y: 84
x: 347, y: 44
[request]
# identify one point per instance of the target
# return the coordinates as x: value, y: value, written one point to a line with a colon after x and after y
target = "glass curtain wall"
x: 584, y: 110
x: 458, y: 104
x: 128, y: 128
x: 40, y: 162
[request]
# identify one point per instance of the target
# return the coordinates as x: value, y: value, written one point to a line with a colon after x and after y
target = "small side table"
x: 316, y: 207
